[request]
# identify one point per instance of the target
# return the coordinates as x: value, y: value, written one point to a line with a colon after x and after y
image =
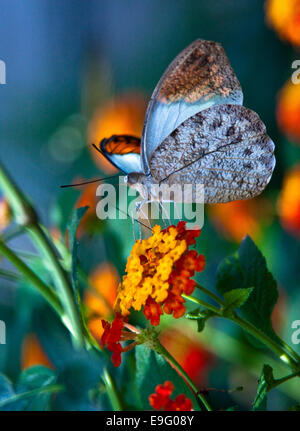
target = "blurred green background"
x: 75, y: 70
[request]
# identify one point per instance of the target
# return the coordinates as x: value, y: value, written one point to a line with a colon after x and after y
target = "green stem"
x: 112, y: 391
x: 37, y: 391
x: 27, y: 255
x: 253, y: 330
x: 62, y: 282
x: 203, y: 303
x: 221, y: 302
x: 290, y: 350
x: 210, y: 294
x: 9, y: 275
x: 284, y: 379
x: 266, y: 340
x: 12, y: 233
x: 172, y: 360
x: 26, y: 217
x: 45, y: 290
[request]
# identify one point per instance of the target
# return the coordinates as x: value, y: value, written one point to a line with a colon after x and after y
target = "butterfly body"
x: 197, y: 132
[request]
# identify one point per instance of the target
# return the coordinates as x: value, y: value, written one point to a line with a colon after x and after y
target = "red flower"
x: 158, y: 273
x: 152, y: 311
x: 113, y: 335
x: 161, y: 399
x: 180, y: 278
x: 111, y: 339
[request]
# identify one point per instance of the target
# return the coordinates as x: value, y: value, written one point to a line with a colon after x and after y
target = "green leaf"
x: 6, y: 388
x: 33, y: 391
x: 72, y: 227
x: 152, y: 370
x: 246, y: 270
x: 264, y: 385
x: 295, y: 408
x: 63, y: 207
x: 234, y: 299
x: 201, y: 315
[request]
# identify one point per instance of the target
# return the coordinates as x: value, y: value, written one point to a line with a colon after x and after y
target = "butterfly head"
x: 140, y: 182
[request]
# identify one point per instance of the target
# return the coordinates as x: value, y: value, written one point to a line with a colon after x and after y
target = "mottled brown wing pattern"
x: 202, y: 70
x: 199, y: 77
x: 225, y: 148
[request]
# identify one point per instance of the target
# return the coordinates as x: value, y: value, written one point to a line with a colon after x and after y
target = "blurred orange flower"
x: 284, y: 17
x: 194, y: 359
x: 280, y: 311
x: 289, y: 201
x: 122, y: 115
x: 288, y: 110
x: 239, y: 218
x: 88, y: 197
x: 6, y: 215
x: 100, y: 299
x: 33, y: 353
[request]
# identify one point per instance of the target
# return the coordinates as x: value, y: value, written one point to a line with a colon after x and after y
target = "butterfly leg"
x: 141, y: 211
x: 133, y: 226
x: 141, y: 215
x: 160, y: 202
x: 161, y: 214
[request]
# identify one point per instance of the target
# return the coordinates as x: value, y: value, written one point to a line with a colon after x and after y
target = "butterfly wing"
x: 199, y: 77
x: 123, y: 151
x: 225, y: 148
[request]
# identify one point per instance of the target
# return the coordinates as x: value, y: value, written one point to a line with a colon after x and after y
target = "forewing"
x: 225, y: 148
x: 123, y: 151
x: 199, y: 77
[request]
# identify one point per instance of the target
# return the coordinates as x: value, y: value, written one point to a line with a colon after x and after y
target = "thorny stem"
x: 26, y: 217
x: 199, y: 396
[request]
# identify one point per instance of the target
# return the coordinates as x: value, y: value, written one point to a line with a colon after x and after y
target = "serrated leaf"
x: 264, y: 385
x: 152, y: 370
x: 201, y: 315
x: 234, y: 299
x: 245, y: 270
x: 33, y: 391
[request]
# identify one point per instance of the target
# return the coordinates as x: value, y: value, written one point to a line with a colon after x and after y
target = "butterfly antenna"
x: 98, y: 149
x: 88, y: 182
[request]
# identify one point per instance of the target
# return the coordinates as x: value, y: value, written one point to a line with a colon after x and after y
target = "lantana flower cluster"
x: 161, y: 400
x: 158, y: 273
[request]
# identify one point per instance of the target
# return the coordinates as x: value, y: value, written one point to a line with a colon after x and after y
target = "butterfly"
x: 197, y: 131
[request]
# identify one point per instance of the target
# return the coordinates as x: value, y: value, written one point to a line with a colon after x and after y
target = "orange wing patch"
x: 121, y: 144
